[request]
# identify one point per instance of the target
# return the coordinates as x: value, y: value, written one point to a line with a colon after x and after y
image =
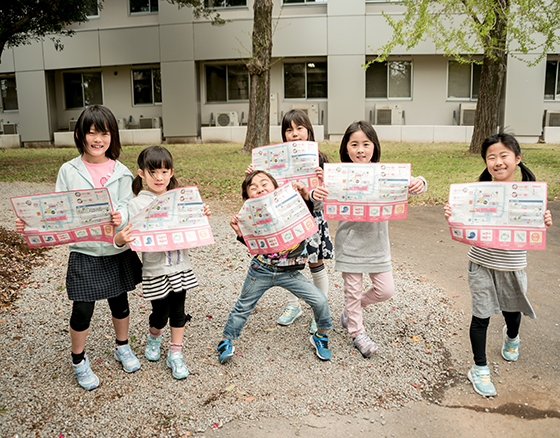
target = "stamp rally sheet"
x: 276, y: 221
x: 288, y: 162
x: 65, y: 217
x: 174, y: 220
x: 369, y: 192
x: 507, y: 215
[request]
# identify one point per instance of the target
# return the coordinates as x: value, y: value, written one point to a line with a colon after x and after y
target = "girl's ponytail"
x: 485, y: 176
x: 526, y: 173
x: 137, y: 185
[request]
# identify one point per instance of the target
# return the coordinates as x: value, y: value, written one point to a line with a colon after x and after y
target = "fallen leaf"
x: 416, y: 338
x: 230, y: 387
x: 250, y: 399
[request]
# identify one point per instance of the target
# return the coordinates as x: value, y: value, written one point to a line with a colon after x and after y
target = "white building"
x: 149, y: 61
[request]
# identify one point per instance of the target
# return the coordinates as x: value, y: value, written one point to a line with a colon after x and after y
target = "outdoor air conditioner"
x: 227, y: 118
x: 311, y: 109
x: 72, y: 125
x: 552, y: 118
x: 121, y: 123
x: 149, y: 122
x: 274, y: 120
x: 466, y: 114
x: 9, y: 128
x: 388, y: 114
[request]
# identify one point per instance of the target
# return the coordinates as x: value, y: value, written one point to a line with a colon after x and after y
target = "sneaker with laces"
x: 86, y: 378
x: 124, y: 355
x: 152, y: 351
x: 175, y: 362
x: 321, y: 344
x: 313, y: 325
x: 510, y: 349
x: 480, y: 378
x: 225, y: 350
x: 290, y: 314
x: 366, y: 346
x: 344, y: 319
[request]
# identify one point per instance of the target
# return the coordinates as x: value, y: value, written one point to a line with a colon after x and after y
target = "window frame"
x: 2, y: 106
x: 306, y: 63
x: 150, y: 12
x: 152, y: 85
x: 471, y: 84
x: 82, y: 73
x: 388, y: 81
x: 227, y: 66
x: 89, y: 17
x: 304, y: 2
x: 224, y: 7
x: 556, y: 95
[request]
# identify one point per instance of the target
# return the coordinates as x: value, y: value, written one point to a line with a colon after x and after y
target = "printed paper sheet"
x: 276, y: 221
x: 65, y: 217
x: 369, y: 192
x: 288, y: 162
x: 499, y: 214
x: 175, y: 220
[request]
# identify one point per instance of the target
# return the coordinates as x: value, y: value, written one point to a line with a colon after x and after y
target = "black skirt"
x: 90, y: 278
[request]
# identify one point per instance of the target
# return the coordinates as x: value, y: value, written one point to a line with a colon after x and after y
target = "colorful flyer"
x: 507, y: 215
x: 65, y: 217
x: 288, y: 162
x: 370, y: 192
x: 175, y: 220
x: 276, y: 221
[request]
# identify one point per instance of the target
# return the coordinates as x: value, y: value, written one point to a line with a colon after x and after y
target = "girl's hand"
x: 234, y: 223
x: 447, y: 211
x: 20, y: 225
x: 416, y: 186
x: 319, y: 173
x: 249, y: 169
x: 548, y: 218
x: 302, y: 189
x: 319, y: 193
x: 116, y: 218
x: 207, y: 211
x: 124, y: 236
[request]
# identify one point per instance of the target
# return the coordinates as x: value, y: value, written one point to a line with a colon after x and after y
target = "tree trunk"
x: 258, y: 122
x: 492, y: 76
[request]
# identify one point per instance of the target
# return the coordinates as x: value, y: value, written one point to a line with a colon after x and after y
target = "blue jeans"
x: 260, y: 278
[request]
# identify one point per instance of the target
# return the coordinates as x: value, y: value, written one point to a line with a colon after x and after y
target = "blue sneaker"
x: 225, y: 350
x: 86, y: 378
x: 510, y: 349
x: 321, y: 344
x: 313, y: 325
x: 152, y: 351
x: 290, y: 314
x: 125, y: 356
x: 175, y: 362
x: 480, y: 378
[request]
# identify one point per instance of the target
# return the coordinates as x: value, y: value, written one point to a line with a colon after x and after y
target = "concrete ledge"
x: 128, y: 137
x: 64, y: 140
x: 10, y: 141
x: 237, y: 134
x: 552, y: 134
x: 424, y: 133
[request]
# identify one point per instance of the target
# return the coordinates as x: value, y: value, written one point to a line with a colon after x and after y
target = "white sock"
x: 321, y: 280
x: 292, y: 299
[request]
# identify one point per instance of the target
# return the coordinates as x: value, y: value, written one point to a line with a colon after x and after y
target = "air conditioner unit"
x: 387, y: 114
x: 466, y: 114
x: 552, y: 118
x: 227, y: 118
x: 72, y: 125
x: 9, y: 128
x: 149, y: 122
x: 311, y: 109
x: 121, y: 123
x: 274, y: 120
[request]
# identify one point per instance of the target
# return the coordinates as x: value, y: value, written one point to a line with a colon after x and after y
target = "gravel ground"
x: 275, y: 372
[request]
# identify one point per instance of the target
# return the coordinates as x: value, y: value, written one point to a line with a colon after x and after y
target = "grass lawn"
x: 217, y: 169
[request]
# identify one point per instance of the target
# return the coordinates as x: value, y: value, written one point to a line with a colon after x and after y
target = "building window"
x: 224, y: 3
x: 92, y: 11
x: 305, y: 80
x: 389, y: 80
x: 552, y: 81
x: 82, y: 89
x: 227, y: 83
x: 146, y: 84
x: 8, y: 93
x: 463, y: 80
x: 287, y: 2
x: 143, y: 6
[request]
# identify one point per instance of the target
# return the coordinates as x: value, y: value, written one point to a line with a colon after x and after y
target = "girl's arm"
x: 207, y: 211
x: 302, y: 189
x: 548, y: 218
x: 418, y: 185
x: 124, y: 236
x: 447, y: 211
x: 20, y: 225
x: 234, y: 223
x: 249, y: 169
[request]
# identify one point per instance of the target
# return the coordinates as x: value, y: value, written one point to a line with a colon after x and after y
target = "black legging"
x: 479, y: 328
x: 172, y: 308
x: 82, y: 311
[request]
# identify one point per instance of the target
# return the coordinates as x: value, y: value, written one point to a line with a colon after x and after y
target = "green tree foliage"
x: 493, y: 28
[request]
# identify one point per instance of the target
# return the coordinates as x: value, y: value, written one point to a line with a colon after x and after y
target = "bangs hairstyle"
x: 511, y: 143
x: 370, y: 133
x: 249, y: 179
x: 151, y: 159
x: 104, y: 121
x: 300, y: 119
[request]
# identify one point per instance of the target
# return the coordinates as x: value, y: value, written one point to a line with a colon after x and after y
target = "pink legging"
x: 355, y: 298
